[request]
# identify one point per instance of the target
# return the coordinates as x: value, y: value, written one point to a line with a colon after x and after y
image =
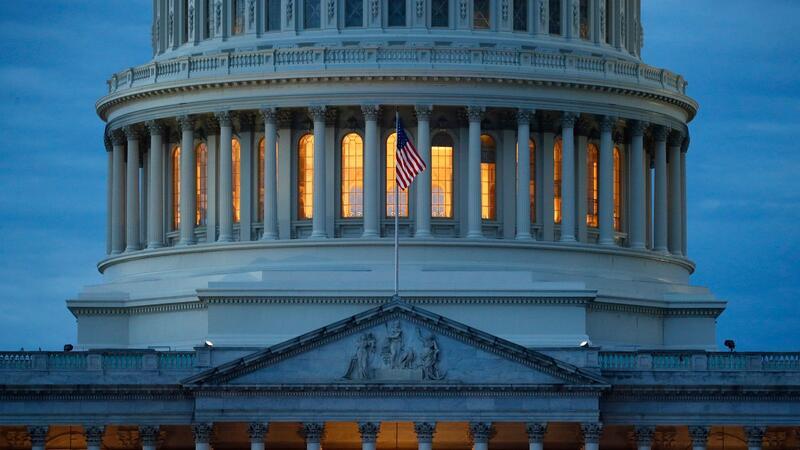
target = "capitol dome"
x: 251, y: 175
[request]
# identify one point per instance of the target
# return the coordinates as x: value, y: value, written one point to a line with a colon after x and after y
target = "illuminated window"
x: 391, y: 178
x: 592, y: 186
x: 617, y: 189
x: 442, y: 176
x: 520, y: 15
x: 236, y: 178
x: 305, y: 177
x: 555, y: 17
x: 352, y: 176
x: 488, y: 178
x: 201, y: 184
x: 584, y: 19
x: 176, y: 188
x: 480, y: 14
x: 440, y: 13
x: 238, y: 17
x: 557, y: 181
x: 261, y: 176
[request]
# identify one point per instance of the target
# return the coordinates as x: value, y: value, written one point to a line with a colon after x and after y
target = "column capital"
x: 524, y: 116
x: 536, y: 431
x: 331, y: 114
x: 148, y: 435
x: 312, y: 431
x: 132, y: 132
x: 154, y: 127
x: 423, y: 112
x: 481, y: 432
x: 38, y: 435
x: 186, y: 122
x: 94, y: 434
x: 224, y: 118
x: 257, y: 431
x: 644, y: 435
x: 607, y: 123
x: 369, y: 431
x: 317, y: 112
x: 675, y: 138
x: 755, y: 436
x: 568, y: 119
x: 247, y: 121
x: 371, y: 112
x: 591, y: 432
x: 202, y: 432
x: 270, y: 115
x: 285, y: 118
x: 117, y: 137
x: 475, y: 113
x: 699, y: 435
x: 659, y: 132
x: 637, y: 127
x: 425, y: 431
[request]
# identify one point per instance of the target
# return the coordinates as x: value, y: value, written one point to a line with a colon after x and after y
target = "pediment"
x: 396, y: 344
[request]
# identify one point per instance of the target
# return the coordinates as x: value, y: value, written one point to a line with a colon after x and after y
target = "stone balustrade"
x: 699, y: 361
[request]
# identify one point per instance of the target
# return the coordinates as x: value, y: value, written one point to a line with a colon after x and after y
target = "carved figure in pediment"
x: 361, y: 364
x: 429, y: 362
x: 394, y: 351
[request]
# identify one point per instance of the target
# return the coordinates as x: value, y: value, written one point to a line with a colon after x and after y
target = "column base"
x: 524, y: 237
x: 318, y: 235
x: 154, y: 245
x: 423, y: 234
x: 269, y: 237
x: 474, y: 235
x: 567, y: 239
x: 132, y: 249
x: 185, y: 243
x: 369, y: 235
x: 608, y: 243
x: 224, y: 239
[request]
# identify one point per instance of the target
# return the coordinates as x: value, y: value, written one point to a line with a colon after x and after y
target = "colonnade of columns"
x: 668, y: 192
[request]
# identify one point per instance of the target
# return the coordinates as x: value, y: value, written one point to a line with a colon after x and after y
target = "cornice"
x: 400, y: 390
x: 655, y: 310
x: 94, y: 392
x: 671, y: 393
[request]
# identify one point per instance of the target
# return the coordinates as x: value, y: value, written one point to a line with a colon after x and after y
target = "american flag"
x: 408, y: 162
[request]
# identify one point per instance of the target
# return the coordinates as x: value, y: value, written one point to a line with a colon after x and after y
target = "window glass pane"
x: 305, y: 177
x: 207, y: 19
x: 608, y: 21
x: 354, y: 13
x: 442, y: 177
x: 592, y: 186
x: 176, y: 188
x: 396, y: 13
x: 352, y: 176
x: 201, y: 183
x: 238, y: 16
x: 557, y: 181
x: 480, y: 14
x: 272, y: 19
x: 236, y: 178
x: 520, y: 15
x: 488, y: 178
x: 185, y: 20
x: 311, y: 14
x: 391, y: 180
x: 440, y: 13
x: 555, y: 16
x: 617, y: 189
x: 584, y: 19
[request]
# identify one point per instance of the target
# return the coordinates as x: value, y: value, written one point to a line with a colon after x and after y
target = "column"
x: 481, y: 432
x: 369, y: 434
x: 372, y: 172
x: 109, y: 194
x: 118, y: 193
x: 188, y: 181
x: 755, y: 437
x: 636, y: 228
x: 246, y: 155
x: 674, y: 208
x: 318, y: 213
x: 425, y: 432
x: 536, y: 433
x: 474, y: 231
x: 155, y: 190
x: 606, y: 194
x: 699, y: 437
x: 644, y: 436
x: 591, y: 435
x: 684, y: 238
x: 423, y: 206
x: 257, y: 430
x: 568, y: 177
x: 312, y: 432
x: 547, y: 188
x: 648, y: 203
x: 285, y: 145
x: 132, y: 190
x: 270, y: 219
x: 202, y: 432
x: 225, y: 177
x: 582, y: 172
x: 523, y: 175
x: 38, y: 435
x: 148, y: 436
x: 94, y: 436
x: 660, y: 198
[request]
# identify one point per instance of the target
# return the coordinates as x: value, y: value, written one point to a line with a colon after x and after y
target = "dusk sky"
x: 741, y: 58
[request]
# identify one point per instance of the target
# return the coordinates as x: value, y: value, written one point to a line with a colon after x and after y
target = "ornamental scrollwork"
x: 576, y: 18
x: 504, y: 9
x: 420, y: 8
x: 218, y: 17
x: 542, y: 15
x: 373, y: 7
x: 289, y: 11
x: 191, y: 18
x: 463, y: 9
x: 331, y: 8
x: 170, y: 25
x: 251, y: 13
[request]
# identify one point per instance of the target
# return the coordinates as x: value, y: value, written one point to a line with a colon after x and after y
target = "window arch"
x: 176, y: 187
x: 201, y: 178
x: 261, y: 176
x: 442, y: 176
x: 557, y: 180
x: 236, y: 179
x: 592, y: 185
x: 305, y: 177
x: 488, y: 178
x: 391, y: 180
x: 617, y: 189
x: 352, y: 179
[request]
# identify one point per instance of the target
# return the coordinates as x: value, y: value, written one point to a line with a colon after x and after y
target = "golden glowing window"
x: 305, y: 177
x: 352, y: 176
x: 617, y: 189
x: 488, y: 178
x: 201, y: 179
x: 176, y: 188
x: 236, y: 179
x: 592, y: 186
x: 261, y: 177
x: 557, y: 181
x: 391, y: 178
x: 442, y: 176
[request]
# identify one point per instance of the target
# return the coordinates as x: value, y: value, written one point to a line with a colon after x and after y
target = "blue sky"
x: 741, y: 57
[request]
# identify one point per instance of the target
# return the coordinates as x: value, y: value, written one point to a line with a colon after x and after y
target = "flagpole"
x: 396, y: 212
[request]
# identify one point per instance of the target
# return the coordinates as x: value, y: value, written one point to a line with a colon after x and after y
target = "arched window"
x: 305, y: 177
x: 391, y: 179
x: 488, y: 178
x: 396, y: 13
x: 236, y: 179
x: 520, y: 15
x: 555, y: 17
x: 353, y: 13
x: 481, y: 18
x: 442, y: 176
x: 557, y: 181
x: 617, y: 189
x: 592, y: 185
x: 261, y: 177
x: 238, y: 17
x: 440, y: 13
x: 176, y: 188
x: 584, y: 19
x: 352, y: 176
x: 201, y: 172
